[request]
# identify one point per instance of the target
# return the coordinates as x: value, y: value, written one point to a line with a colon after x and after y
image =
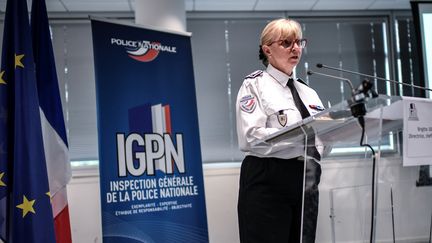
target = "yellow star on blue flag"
x: 1, y: 179
x: 18, y: 60
x: 26, y: 206
x: 2, y: 81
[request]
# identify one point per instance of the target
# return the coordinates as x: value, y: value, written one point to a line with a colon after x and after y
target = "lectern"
x: 363, y: 196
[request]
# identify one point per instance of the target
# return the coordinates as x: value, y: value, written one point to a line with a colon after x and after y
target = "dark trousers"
x: 270, y: 201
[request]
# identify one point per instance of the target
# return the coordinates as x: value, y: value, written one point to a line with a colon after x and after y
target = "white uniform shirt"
x: 265, y: 105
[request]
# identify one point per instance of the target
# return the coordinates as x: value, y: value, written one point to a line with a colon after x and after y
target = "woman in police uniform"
x: 271, y: 178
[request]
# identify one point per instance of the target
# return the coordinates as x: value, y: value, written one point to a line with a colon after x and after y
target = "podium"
x: 362, y: 200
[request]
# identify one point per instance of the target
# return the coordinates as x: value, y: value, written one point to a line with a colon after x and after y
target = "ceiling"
x: 71, y: 6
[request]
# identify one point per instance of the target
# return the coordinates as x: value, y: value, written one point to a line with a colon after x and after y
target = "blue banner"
x: 150, y: 164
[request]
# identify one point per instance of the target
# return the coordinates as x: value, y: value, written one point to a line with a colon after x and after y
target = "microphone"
x: 310, y: 72
x: 357, y: 97
x: 320, y: 65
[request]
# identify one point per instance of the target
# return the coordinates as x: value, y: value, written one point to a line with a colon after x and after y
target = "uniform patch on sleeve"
x: 248, y: 103
x: 254, y: 74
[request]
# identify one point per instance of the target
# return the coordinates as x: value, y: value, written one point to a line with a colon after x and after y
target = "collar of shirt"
x: 279, y: 76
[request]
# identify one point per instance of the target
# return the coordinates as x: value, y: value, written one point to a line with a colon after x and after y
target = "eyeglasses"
x: 290, y: 43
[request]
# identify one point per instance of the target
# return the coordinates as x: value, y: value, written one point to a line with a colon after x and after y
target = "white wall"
x: 412, y: 205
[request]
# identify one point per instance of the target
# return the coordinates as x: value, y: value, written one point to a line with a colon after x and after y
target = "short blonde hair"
x: 280, y: 29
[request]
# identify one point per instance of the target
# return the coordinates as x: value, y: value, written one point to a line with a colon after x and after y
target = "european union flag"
x: 26, y: 214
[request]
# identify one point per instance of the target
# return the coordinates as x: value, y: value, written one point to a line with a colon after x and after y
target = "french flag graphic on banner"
x: 154, y: 119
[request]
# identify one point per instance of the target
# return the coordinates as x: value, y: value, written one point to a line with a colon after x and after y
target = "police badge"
x: 282, y: 118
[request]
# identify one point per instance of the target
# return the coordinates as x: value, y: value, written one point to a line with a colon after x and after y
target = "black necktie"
x: 311, y: 149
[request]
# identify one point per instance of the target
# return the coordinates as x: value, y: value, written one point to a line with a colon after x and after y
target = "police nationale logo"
x: 143, y: 50
x: 248, y: 103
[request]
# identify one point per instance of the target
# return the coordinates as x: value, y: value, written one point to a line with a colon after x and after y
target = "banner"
x: 417, y: 131
x: 150, y: 164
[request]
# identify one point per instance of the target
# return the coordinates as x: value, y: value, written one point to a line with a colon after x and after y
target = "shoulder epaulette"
x: 301, y: 81
x: 255, y: 74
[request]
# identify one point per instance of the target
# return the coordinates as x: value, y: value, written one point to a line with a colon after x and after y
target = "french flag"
x: 53, y: 125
